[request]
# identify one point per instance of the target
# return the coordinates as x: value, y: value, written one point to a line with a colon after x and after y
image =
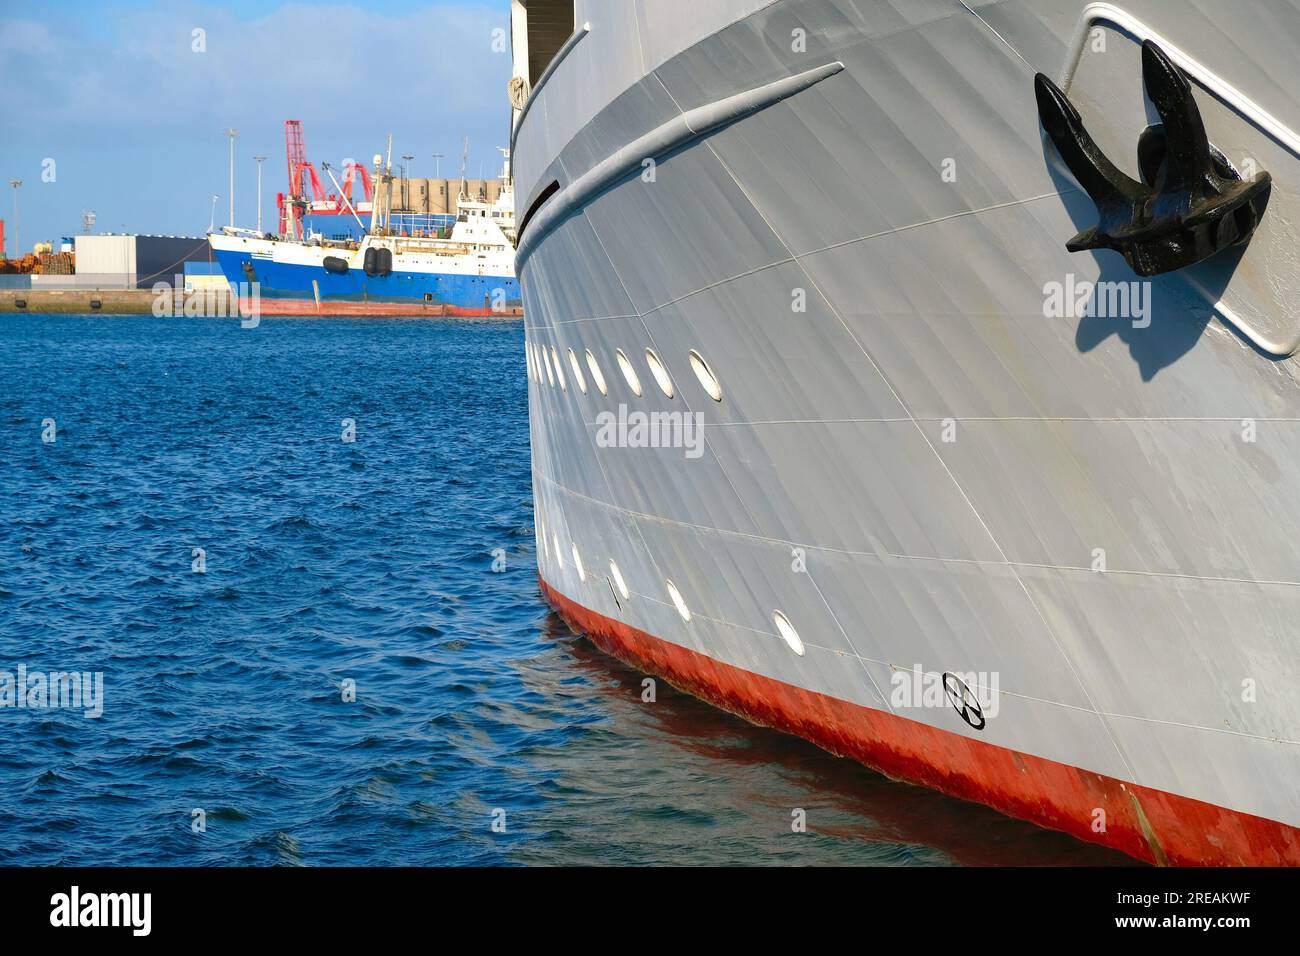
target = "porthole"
x: 708, y: 380
x: 678, y: 602
x: 629, y: 373
x: 577, y: 563
x: 787, y: 632
x: 597, y: 376
x: 559, y: 369
x: 555, y: 540
x: 550, y: 377
x: 618, y: 579
x: 659, y: 372
x: 577, y: 372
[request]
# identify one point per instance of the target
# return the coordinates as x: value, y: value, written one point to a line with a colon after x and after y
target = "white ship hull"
x: 1089, y: 518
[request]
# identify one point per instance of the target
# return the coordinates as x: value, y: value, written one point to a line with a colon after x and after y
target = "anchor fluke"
x: 1192, y: 202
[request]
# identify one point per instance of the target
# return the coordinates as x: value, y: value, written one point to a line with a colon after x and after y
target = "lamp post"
x: 260, y: 160
x: 212, y: 219
x: 437, y: 174
x: 232, y: 133
x: 406, y: 184
x: 18, y: 246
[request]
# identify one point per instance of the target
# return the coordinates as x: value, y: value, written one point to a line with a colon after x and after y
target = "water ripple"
x: 348, y: 682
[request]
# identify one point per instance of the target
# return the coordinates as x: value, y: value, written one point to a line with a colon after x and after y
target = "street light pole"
x: 260, y: 160
x: 212, y: 219
x: 437, y: 174
x: 232, y: 133
x: 18, y: 246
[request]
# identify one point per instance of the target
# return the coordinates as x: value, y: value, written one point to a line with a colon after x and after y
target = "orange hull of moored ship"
x: 301, y: 307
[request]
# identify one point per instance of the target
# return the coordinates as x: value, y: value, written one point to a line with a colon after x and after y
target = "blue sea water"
x: 328, y: 562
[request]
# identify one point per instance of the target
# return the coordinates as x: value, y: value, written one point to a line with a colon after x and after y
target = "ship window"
x: 577, y: 563
x: 618, y: 579
x: 550, y: 376
x: 706, y: 376
x: 629, y: 372
x: 596, y: 375
x: 559, y: 369
x: 680, y: 604
x: 659, y: 372
x: 787, y: 632
x: 577, y: 372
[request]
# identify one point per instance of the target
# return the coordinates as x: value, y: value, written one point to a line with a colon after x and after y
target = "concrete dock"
x: 204, y: 302
x: 213, y: 302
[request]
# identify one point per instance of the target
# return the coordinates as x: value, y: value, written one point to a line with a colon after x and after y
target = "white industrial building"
x: 129, y: 262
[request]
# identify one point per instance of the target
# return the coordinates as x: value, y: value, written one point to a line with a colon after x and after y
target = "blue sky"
x: 132, y: 116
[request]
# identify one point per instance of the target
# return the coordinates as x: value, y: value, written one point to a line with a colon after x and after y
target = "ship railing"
x: 433, y: 247
x: 420, y: 225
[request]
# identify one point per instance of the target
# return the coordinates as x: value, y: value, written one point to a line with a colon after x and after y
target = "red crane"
x: 295, y: 206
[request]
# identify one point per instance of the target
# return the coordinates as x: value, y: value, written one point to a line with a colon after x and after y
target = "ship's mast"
x: 376, y: 205
x: 388, y: 181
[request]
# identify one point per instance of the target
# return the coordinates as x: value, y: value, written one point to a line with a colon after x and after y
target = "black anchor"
x: 1192, y: 203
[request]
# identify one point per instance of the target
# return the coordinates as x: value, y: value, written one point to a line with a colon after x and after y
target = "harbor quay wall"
x: 217, y: 303
x: 203, y: 302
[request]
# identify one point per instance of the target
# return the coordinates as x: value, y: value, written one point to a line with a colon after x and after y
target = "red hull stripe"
x: 1152, y: 825
x: 308, y: 307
